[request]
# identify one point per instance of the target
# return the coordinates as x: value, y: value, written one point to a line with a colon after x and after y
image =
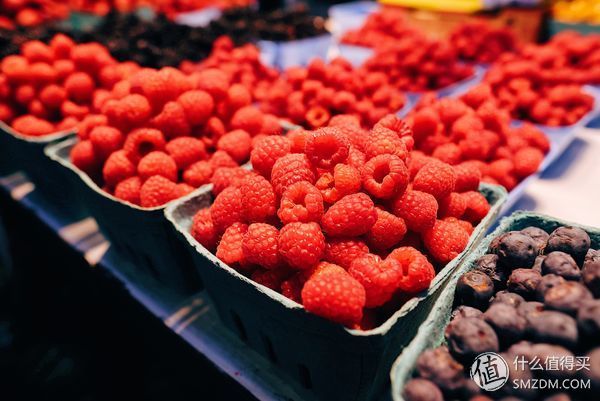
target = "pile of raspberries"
x: 28, y: 13
x: 473, y: 131
x: 161, y: 133
x: 381, y: 28
x: 344, y: 222
x: 50, y: 88
x: 312, y: 96
x: 481, y: 42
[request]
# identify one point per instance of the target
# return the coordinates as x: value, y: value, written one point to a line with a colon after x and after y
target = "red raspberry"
x: 356, y: 135
x: 425, y: 123
x: 317, y: 116
x: 271, y: 125
x: 172, y: 121
x: 157, y: 163
x: 32, y: 126
x: 90, y: 122
x: 198, y: 174
x: 467, y: 177
x: 468, y: 227
x: 445, y: 240
x: 52, y: 96
x: 301, y: 202
x: 258, y: 199
x: 106, y: 140
x: 213, y: 81
x: 84, y: 158
x: 80, y: 87
x: 67, y: 124
x: 156, y: 191
x: 416, y: 161
x: 418, y: 209
x: 131, y: 111
x: 230, y: 248
x: 534, y: 137
x: 270, y: 278
x: 387, y: 231
x: 453, y: 205
x: 182, y: 189
x: 353, y: 215
x: 527, y: 161
x: 385, y: 141
x: 385, y: 176
x: 186, y: 150
x: 342, y: 251
x: 502, y: 170
x: 417, y: 272
x: 227, y: 176
x: 469, y: 123
x: 435, y: 178
x: 260, y: 245
x: 356, y: 159
x: 203, y: 229
x: 160, y: 86
x: 290, y: 169
x: 222, y: 159
x: 71, y: 109
x: 128, y: 190
x: 301, y: 245
x: 326, y: 147
x: 345, y: 180
x: 249, y: 119
x: 142, y: 141
x: 477, y: 206
x: 238, y: 96
x: 237, y: 144
x: 298, y: 140
x: 226, y: 209
x: 379, y: 278
x: 117, y: 168
x: 336, y: 296
x: 61, y: 45
x: 448, y: 153
x: 267, y: 151
x: 197, y: 106
x: 35, y: 50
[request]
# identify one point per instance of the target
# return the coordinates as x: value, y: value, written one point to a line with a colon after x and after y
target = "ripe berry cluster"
x: 311, y: 96
x: 49, y: 88
x: 29, y: 13
x: 162, y: 133
x: 341, y: 220
x: 481, y: 42
x: 381, y: 28
x: 473, y: 133
x: 534, y: 295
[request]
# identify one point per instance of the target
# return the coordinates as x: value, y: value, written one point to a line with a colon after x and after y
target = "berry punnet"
x: 338, y: 225
x: 174, y: 133
x: 524, y: 310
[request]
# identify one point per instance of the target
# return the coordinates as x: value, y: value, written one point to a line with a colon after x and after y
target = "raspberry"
x: 182, y: 189
x: 326, y: 147
x: 467, y: 177
x: 353, y: 132
x: 335, y: 295
x: 445, y: 240
x: 387, y: 231
x: 301, y: 202
x: 61, y: 45
x: 417, y: 272
x: 260, y: 245
x: 477, y: 207
x: 198, y: 174
x: 32, y: 126
x: 290, y: 169
x: 106, y: 140
x: 267, y: 151
x: 80, y: 87
x: 157, y: 163
x: 203, y: 229
x: 227, y: 176
x: 160, y: 86
x: 226, y: 209
x: 356, y: 159
x: 298, y: 140
x: 271, y: 126
x: 88, y: 123
x: 527, y: 161
x: 301, y: 245
x: 379, y: 278
x: 292, y: 287
x: 385, y: 141
x: 534, y: 137
x: 425, y: 123
x: 131, y: 111
x: 502, y: 170
x: 230, y: 248
x: 353, y: 215
x: 197, y: 106
x: 453, y: 205
x: 249, y: 119
x: 117, y: 168
x: 435, y: 178
x: 416, y: 161
x: 35, y: 50
x: 213, y: 81
x: 128, y: 190
x: 449, y: 153
x: 418, y: 209
x: 186, y: 150
x: 172, y: 121
x: 342, y: 251
x: 385, y: 176
x: 69, y: 108
x: 238, y: 96
x: 156, y: 191
x: 317, y: 117
x: 258, y: 198
x: 142, y: 141
x: 270, y: 278
x: 222, y: 159
x: 52, y: 96
x: 237, y: 144
x: 345, y: 180
x: 84, y: 158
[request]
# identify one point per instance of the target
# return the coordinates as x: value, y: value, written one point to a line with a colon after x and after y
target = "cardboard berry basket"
x: 142, y: 235
x: 431, y: 332
x: 334, y: 362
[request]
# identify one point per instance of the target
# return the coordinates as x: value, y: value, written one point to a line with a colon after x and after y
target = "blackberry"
x: 530, y: 309
x: 524, y: 282
x: 571, y: 240
x: 592, y: 255
x: 469, y: 337
x: 553, y: 327
x: 495, y: 244
x: 537, y: 264
x: 548, y: 281
x: 508, y: 324
x: 488, y: 264
x: 562, y: 264
x: 474, y: 289
x: 422, y: 390
x: 588, y: 319
x: 509, y: 298
x: 567, y: 297
x: 591, y: 275
x: 538, y: 235
x: 516, y: 373
x: 463, y: 312
x: 544, y: 351
x: 441, y: 368
x: 516, y: 250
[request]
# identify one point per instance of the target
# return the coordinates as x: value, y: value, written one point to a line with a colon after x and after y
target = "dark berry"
x: 544, y: 351
x: 567, y: 297
x: 516, y: 250
x: 538, y: 235
x: 469, y: 337
x: 530, y: 309
x: 509, y: 298
x: 588, y: 319
x: 495, y: 244
x: 474, y: 289
x: 462, y: 312
x: 591, y: 275
x: 553, y: 327
x: 537, y: 265
x: 441, y: 368
x: 488, y: 264
x: 592, y: 255
x: 571, y: 240
x: 548, y: 281
x: 524, y: 282
x: 562, y: 264
x: 508, y: 324
x: 518, y: 373
x: 422, y: 390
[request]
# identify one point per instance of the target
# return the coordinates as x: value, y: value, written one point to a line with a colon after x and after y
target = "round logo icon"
x: 489, y: 371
